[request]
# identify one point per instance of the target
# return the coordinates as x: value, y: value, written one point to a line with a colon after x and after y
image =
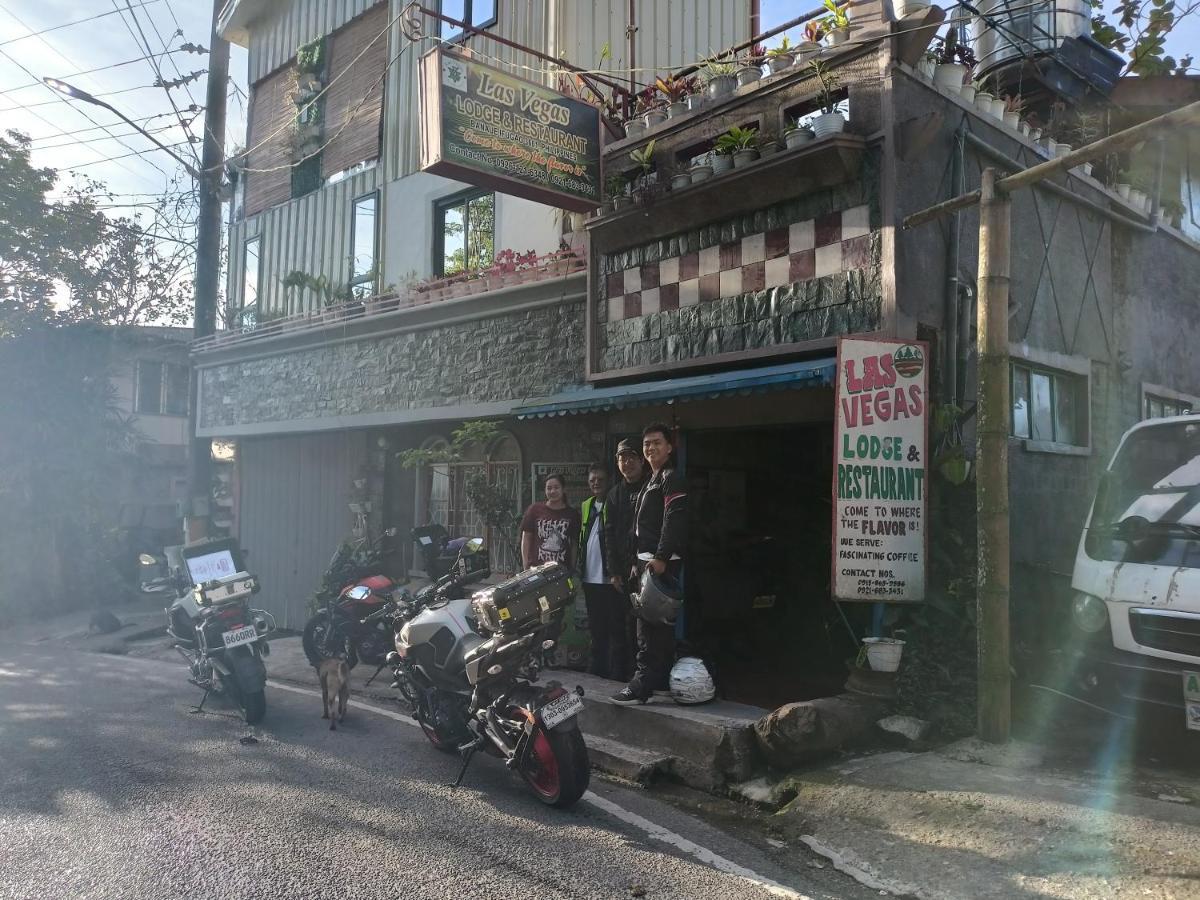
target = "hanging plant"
x: 310, y: 58
x: 950, y: 454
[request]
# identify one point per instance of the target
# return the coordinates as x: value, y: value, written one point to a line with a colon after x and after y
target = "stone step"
x: 711, y: 744
x: 638, y: 766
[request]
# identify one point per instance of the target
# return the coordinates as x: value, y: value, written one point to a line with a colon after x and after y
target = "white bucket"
x: 884, y: 653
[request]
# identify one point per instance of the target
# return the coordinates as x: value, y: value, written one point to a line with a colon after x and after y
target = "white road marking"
x: 652, y: 830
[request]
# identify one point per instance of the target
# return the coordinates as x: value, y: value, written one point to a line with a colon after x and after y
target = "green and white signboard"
x: 487, y: 127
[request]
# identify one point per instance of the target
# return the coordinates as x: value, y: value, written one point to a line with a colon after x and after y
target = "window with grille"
x: 1049, y: 405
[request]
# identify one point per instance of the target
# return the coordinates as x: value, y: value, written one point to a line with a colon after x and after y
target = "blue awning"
x: 790, y: 376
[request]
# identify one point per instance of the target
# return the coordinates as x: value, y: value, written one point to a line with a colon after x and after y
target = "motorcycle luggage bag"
x: 534, y: 595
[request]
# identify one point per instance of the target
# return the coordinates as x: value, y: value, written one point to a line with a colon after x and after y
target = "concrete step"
x: 711, y: 744
x: 639, y: 766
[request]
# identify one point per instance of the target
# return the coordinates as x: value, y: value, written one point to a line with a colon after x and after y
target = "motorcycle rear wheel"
x: 255, y: 707
x: 557, y: 768
x: 317, y: 646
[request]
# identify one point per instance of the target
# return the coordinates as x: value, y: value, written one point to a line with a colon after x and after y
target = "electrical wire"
x: 103, y: 221
x: 51, y: 137
x: 97, y: 162
x: 117, y: 65
x: 65, y: 25
x: 108, y: 138
x: 28, y: 106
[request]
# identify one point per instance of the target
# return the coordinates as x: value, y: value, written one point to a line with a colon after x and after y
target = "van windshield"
x: 1148, y: 507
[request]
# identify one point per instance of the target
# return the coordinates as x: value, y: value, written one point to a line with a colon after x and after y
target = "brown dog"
x: 335, y: 685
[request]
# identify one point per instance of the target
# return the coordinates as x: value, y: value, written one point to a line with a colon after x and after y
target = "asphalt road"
x: 111, y: 786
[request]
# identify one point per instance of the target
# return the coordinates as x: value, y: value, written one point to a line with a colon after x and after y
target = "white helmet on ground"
x: 691, y: 682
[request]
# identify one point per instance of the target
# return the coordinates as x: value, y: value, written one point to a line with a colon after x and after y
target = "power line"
x: 97, y: 162
x: 117, y: 65
x: 140, y: 87
x: 103, y: 221
x: 50, y: 137
x: 66, y: 25
x: 109, y: 137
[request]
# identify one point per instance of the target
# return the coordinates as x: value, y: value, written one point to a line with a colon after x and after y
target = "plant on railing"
x: 615, y: 188
x: 329, y: 293
x: 675, y: 89
x: 827, y: 94
x: 837, y: 18
x: 950, y: 50
x: 784, y: 48
x: 644, y: 159
x: 814, y: 32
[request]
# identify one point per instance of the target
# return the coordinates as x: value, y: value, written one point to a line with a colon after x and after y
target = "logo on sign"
x: 909, y: 361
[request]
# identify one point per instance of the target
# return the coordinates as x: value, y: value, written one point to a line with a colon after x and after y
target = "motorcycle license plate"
x: 244, y: 635
x: 558, y: 711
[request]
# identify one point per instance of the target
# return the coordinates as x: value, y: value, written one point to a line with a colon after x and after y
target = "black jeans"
x: 608, y: 610
x: 656, y: 652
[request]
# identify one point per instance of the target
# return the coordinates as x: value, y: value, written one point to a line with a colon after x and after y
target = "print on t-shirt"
x: 552, y: 539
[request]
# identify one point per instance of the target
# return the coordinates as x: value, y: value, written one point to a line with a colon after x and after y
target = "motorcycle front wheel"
x: 556, y: 767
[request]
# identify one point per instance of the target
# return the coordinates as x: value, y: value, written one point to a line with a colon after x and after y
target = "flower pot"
x: 496, y: 280
x: 955, y: 467
x: 983, y: 102
x: 1023, y: 127
x: 797, y: 138
x: 621, y: 202
x: 695, y: 102
x: 967, y: 92
x: 1035, y: 134
x: 827, y: 124
x: 1137, y: 198
x: 1123, y: 190
x: 1012, y: 119
x: 949, y: 75
x: 780, y: 61
x: 654, y: 117
x: 678, y: 108
x: 927, y: 68
x: 701, y: 173
x: 1061, y: 149
x: 807, y: 50
x: 905, y: 8
x: 635, y: 128
x: 721, y: 86
x: 1086, y: 169
x: 838, y: 36
x: 996, y: 108
x: 722, y: 162
x: 748, y: 75
x: 744, y: 157
x: 681, y: 180
x: 768, y: 148
x: 884, y: 654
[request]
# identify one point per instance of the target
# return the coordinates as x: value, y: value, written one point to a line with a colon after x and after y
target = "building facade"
x: 715, y: 306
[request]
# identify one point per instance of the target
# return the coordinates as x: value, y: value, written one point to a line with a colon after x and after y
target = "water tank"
x: 1009, y: 32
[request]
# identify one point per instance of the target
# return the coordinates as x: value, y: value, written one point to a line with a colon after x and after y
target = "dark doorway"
x: 757, y: 577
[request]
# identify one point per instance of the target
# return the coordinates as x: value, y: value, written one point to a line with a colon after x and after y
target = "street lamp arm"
x: 75, y: 93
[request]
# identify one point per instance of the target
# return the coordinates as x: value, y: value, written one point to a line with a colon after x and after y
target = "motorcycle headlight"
x: 1090, y: 613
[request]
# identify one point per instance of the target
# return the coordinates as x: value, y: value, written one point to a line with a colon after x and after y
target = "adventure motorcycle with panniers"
x: 469, y: 666
x: 212, y: 623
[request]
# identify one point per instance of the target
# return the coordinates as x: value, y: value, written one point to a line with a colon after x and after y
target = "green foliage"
x: 737, y: 138
x: 326, y: 291
x: 717, y: 69
x: 1141, y: 33
x: 784, y: 48
x: 829, y: 84
x: 644, y: 157
x: 64, y: 456
x: 837, y: 17
x: 310, y: 57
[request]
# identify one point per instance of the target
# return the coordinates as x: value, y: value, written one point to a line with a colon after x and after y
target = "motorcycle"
x: 215, y: 630
x: 469, y: 668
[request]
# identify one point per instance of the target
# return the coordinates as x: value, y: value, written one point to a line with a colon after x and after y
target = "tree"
x: 40, y: 240
x: 1142, y: 29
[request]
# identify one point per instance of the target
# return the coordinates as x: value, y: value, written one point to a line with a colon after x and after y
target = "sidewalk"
x: 976, y: 821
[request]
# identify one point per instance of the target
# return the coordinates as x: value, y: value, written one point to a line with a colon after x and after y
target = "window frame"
x: 242, y: 306
x: 462, y: 198
x: 1058, y: 370
x: 164, y: 370
x: 1185, y: 404
x: 166, y: 389
x: 463, y: 36
x: 372, y: 277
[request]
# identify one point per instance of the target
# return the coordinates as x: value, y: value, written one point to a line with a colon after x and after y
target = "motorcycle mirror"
x: 474, y: 545
x: 359, y: 592
x: 146, y: 559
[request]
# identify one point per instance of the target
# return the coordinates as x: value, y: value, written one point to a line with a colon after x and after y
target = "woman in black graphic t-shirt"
x: 548, y: 529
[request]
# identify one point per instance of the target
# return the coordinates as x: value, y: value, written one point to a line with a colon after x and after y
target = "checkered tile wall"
x: 832, y: 243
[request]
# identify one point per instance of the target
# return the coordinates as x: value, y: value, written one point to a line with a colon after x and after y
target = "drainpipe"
x: 951, y: 299
x: 631, y: 34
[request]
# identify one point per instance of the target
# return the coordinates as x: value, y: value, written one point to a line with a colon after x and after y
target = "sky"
x: 110, y: 44
x: 64, y: 132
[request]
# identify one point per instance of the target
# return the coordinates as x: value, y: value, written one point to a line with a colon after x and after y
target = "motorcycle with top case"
x: 470, y: 667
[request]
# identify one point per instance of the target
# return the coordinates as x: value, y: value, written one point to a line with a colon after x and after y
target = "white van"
x: 1137, y: 572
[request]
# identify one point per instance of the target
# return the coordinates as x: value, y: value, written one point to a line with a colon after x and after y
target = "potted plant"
x: 955, y: 61
x: 750, y: 68
x: 610, y: 110
x: 616, y: 192
x: 905, y: 8
x: 676, y: 91
x: 741, y: 144
x: 643, y: 158
x: 1012, y: 110
x: 837, y: 23
x: 721, y: 161
x: 781, y: 57
x: 635, y: 127
x: 653, y: 113
x: 720, y: 79
x: 768, y: 143
x: 702, y: 169
x: 983, y: 99
x: 795, y: 135
x: 831, y: 120
x: 810, y: 47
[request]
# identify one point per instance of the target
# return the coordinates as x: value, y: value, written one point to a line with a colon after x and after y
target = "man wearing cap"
x: 659, y: 539
x: 621, y: 553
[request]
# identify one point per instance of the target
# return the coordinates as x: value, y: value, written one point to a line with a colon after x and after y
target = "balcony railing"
x: 552, y: 265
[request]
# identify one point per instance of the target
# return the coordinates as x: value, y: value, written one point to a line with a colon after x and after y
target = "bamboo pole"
x: 991, y: 492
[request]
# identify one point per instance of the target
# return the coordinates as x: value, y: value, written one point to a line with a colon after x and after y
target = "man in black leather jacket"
x: 621, y: 553
x: 660, y: 536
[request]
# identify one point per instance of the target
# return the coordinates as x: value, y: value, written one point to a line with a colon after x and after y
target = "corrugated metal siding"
x: 311, y: 234
x: 294, y: 513
x: 670, y: 33
x: 274, y: 41
x: 527, y: 22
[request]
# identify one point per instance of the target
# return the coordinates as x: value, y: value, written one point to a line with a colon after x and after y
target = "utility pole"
x: 993, y: 402
x: 208, y: 270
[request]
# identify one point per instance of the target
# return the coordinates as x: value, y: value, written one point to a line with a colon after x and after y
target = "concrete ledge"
x: 629, y: 763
